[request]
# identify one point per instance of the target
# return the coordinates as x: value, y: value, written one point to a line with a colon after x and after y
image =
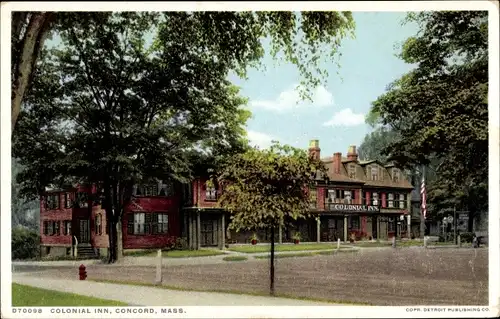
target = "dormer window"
x: 374, y: 173
x: 352, y: 170
x: 157, y: 189
x: 395, y: 175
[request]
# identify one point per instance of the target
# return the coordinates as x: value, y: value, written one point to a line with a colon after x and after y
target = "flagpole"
x: 422, y: 217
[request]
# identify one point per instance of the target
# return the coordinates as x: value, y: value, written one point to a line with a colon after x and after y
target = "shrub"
x: 441, y: 239
x: 181, y: 244
x: 171, y: 243
x: 466, y: 237
x: 25, y: 243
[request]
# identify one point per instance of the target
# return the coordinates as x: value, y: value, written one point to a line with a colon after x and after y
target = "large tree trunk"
x: 271, y: 288
x: 119, y: 239
x: 28, y: 47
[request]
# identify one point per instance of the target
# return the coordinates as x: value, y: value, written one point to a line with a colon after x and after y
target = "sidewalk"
x: 166, y: 261
x: 149, y: 296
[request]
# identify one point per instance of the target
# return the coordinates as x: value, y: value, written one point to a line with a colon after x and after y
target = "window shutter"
x: 147, y: 222
x: 130, y: 224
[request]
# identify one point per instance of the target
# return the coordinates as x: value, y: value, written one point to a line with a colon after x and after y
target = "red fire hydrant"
x: 82, y: 272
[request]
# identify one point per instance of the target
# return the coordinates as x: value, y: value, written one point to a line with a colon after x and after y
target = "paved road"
x: 149, y: 296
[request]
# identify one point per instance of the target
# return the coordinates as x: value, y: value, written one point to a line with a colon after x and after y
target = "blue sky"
x: 336, y: 116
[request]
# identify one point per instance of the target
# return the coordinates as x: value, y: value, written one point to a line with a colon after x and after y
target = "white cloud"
x: 346, y: 117
x: 262, y: 140
x: 290, y: 99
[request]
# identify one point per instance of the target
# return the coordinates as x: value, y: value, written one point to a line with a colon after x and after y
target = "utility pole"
x: 455, y: 224
x: 422, y: 218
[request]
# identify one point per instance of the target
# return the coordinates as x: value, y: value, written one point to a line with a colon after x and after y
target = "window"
x: 402, y: 201
x: 211, y: 194
x: 395, y: 175
x: 375, y: 199
x: 313, y: 197
x: 347, y: 197
x: 160, y: 223
x: 52, y: 201
x: 147, y: 224
x: 390, y: 202
x: 374, y: 173
x: 82, y: 199
x: 67, y: 200
x: 98, y: 224
x: 353, y: 222
x: 67, y: 227
x: 352, y: 170
x: 330, y: 196
x: 390, y: 224
x: 51, y: 228
x: 154, y: 189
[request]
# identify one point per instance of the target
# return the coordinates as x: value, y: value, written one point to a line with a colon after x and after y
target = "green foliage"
x: 25, y: 243
x: 108, y: 107
x: 264, y: 187
x: 439, y: 110
x: 466, y: 237
x: 24, y: 212
x: 374, y: 142
x: 27, y: 296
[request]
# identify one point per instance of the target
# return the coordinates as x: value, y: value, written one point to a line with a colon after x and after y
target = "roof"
x: 390, y: 183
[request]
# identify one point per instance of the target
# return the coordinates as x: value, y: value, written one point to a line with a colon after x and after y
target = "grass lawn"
x: 265, y: 248
x: 406, y: 243
x: 307, y: 254
x: 235, y: 258
x: 27, y: 296
x: 174, y: 253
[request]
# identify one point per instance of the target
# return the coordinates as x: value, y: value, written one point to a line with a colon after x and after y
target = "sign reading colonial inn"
x: 352, y: 208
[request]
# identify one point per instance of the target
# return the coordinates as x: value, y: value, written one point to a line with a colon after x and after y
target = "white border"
x: 494, y: 180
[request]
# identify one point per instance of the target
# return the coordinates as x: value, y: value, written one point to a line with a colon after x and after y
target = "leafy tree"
x: 263, y: 188
x: 29, y: 32
x: 106, y: 107
x: 440, y: 109
x: 24, y: 212
x: 374, y: 142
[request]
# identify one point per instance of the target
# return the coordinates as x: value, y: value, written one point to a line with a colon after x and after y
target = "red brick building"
x: 362, y: 199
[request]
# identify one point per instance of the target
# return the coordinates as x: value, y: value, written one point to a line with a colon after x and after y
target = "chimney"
x: 314, y: 149
x: 337, y: 162
x: 351, y: 153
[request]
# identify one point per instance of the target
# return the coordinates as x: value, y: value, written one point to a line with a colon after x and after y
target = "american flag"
x: 424, y: 197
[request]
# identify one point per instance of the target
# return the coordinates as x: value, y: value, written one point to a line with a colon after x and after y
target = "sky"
x: 336, y: 115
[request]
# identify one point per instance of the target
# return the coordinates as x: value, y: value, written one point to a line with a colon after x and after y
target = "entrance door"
x: 84, y: 231
x: 374, y: 227
x: 208, y: 232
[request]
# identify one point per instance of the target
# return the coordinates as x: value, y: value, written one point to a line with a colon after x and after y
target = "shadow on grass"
x: 234, y: 292
x: 28, y: 296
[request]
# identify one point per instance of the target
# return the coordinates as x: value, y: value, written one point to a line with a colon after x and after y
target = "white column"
x: 409, y: 225
x: 318, y: 229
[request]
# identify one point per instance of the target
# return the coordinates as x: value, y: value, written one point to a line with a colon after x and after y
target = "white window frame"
x: 348, y: 196
x: 139, y: 220
x: 211, y: 194
x: 395, y: 175
x: 390, y: 200
x: 401, y: 200
x: 375, y: 199
x: 374, y: 173
x: 162, y: 223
